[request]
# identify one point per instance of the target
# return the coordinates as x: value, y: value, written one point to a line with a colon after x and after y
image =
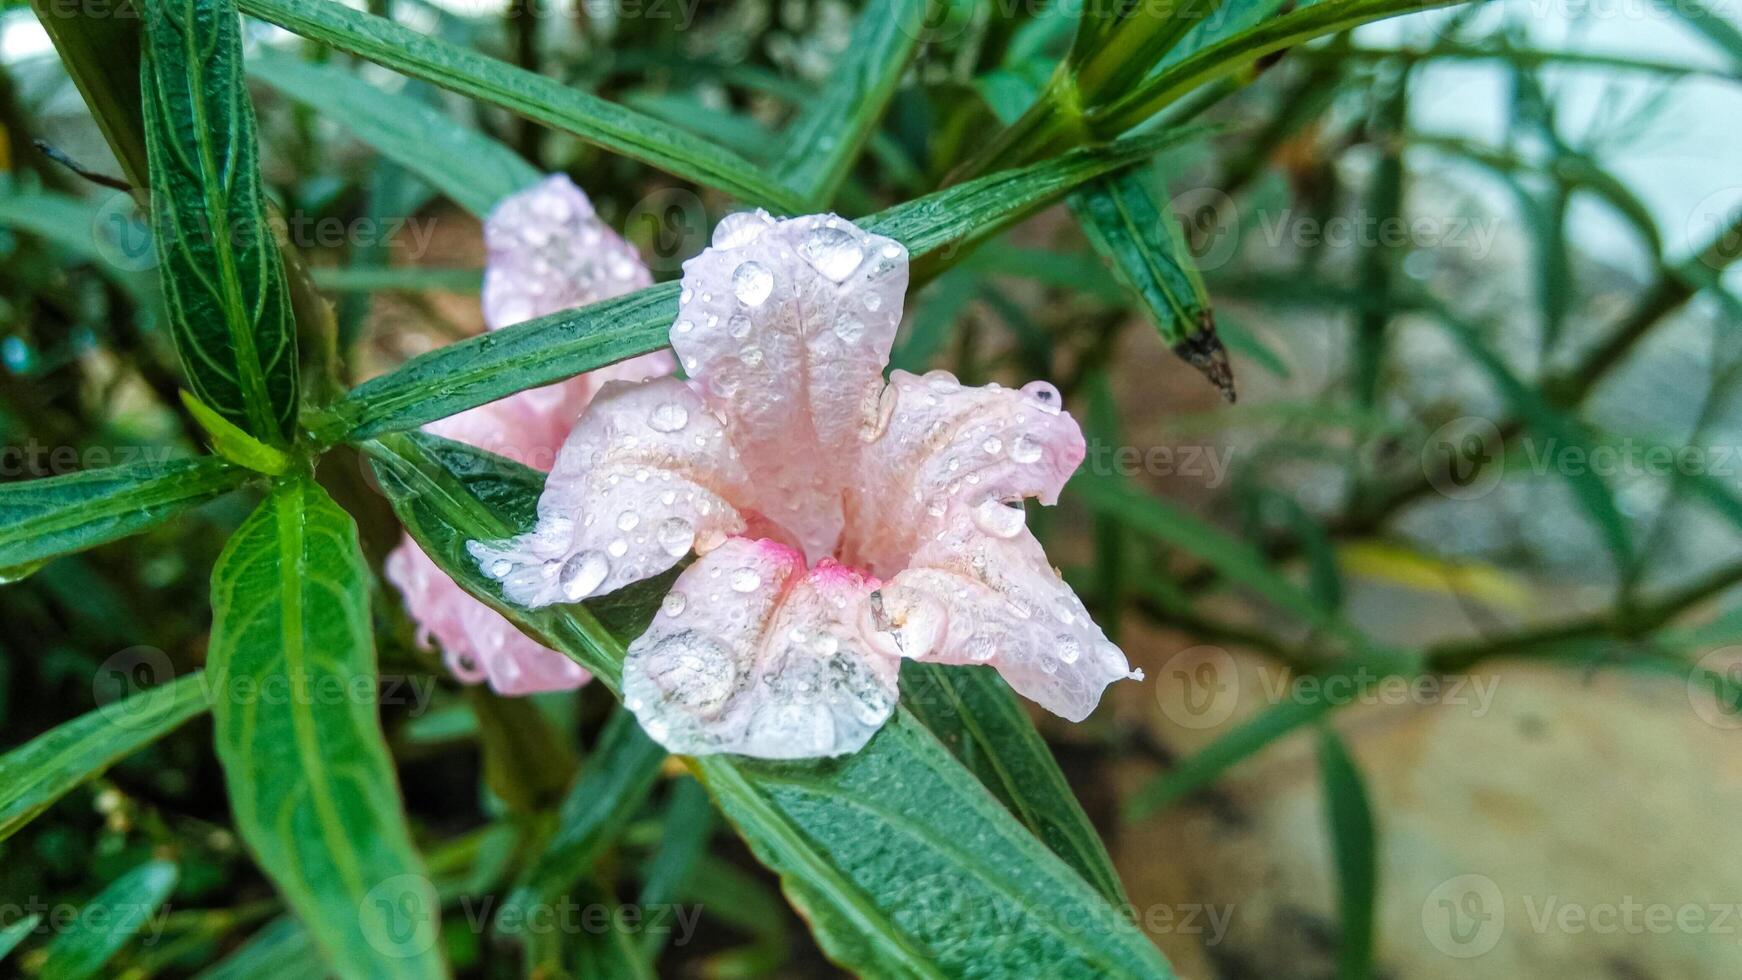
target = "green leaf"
x: 232, y: 443
x: 1354, y: 845
x: 281, y: 950
x: 615, y: 781
x: 900, y: 861
x: 15, y: 933
x: 223, y: 280
x: 1143, y: 241
x: 903, y: 865
x: 611, y: 953
x: 109, y: 920
x: 823, y: 142
x: 684, y: 836
x: 40, y: 519
x: 312, y: 787
x: 543, y: 100
x: 938, y: 228
x: 98, y: 44
x: 469, y: 167
x: 1230, y: 53
x: 977, y: 717
x: 41, y: 771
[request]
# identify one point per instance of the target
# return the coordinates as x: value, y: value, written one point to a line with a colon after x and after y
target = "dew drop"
x: 618, y: 548
x: 582, y: 573
x: 849, y: 329
x: 1044, y: 395
x: 993, y: 445
x: 627, y: 520
x: 1025, y: 449
x: 745, y: 580
x: 751, y: 356
x: 833, y: 252
x: 999, y: 519
x: 668, y: 417
x: 873, y: 301
x: 752, y: 283
x: 738, y: 326
x: 675, y: 535
x: 673, y: 604
x: 500, y: 568
x: 736, y: 230
x: 1068, y: 647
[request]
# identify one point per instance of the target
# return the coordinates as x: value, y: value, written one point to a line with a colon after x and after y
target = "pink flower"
x: 548, y: 251
x: 843, y: 523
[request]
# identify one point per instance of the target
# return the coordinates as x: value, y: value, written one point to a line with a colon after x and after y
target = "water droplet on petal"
x: 833, y: 252
x: 746, y: 580
x: 752, y: 283
x: 582, y: 573
x: 738, y: 326
x: 668, y: 417
x: 1068, y: 647
x: 675, y: 535
x: 627, y: 520
x: 618, y: 548
x: 692, y: 670
x: 873, y: 301
x: 500, y: 568
x: 1044, y: 395
x: 736, y: 230
x: 993, y: 445
x: 673, y: 604
x: 849, y: 329
x: 999, y: 519
x: 751, y: 356
x: 1025, y: 449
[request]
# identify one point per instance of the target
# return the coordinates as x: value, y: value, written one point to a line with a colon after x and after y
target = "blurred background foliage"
x: 1457, y: 259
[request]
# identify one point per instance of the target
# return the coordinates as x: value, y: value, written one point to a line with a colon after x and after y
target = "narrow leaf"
x: 232, y: 443
x: 823, y: 142
x: 469, y: 167
x: 1354, y: 845
x: 615, y: 781
x: 98, y: 44
x: 1229, y: 54
x: 41, y: 771
x: 977, y: 717
x: 543, y: 100
x: 223, y: 280
x: 311, y: 783
x: 40, y: 519
x: 109, y: 921
x: 281, y: 950
x: 15, y: 933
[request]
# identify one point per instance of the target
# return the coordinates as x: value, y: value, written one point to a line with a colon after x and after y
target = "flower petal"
x: 945, y: 449
x: 646, y: 475
x: 548, y: 251
x: 751, y: 654
x: 787, y: 326
x: 476, y: 642
x: 971, y: 597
